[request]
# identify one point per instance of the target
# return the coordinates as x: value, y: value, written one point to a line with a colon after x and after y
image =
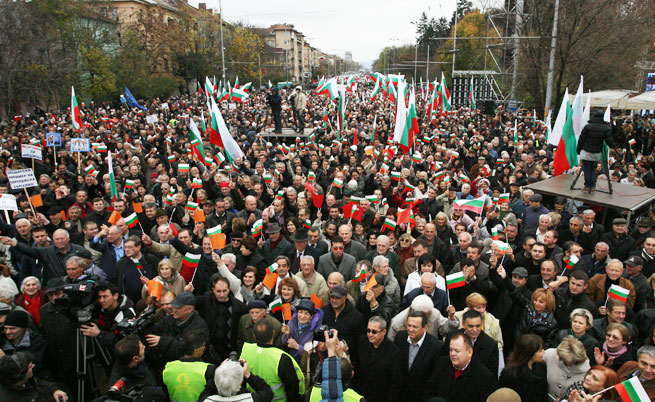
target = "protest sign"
x: 80, y: 145
x: 30, y: 151
x: 151, y: 119
x: 8, y: 202
x: 21, y: 178
x: 53, y: 139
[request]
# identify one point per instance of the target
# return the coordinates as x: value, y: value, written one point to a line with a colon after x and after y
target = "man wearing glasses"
x: 337, y: 261
x: 378, y: 364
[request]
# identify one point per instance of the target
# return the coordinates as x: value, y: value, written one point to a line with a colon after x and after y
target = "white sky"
x: 363, y: 27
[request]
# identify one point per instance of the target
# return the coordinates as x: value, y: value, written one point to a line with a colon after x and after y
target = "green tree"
x: 242, y: 54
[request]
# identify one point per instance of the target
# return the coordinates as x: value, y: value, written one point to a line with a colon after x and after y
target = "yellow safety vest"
x: 184, y: 380
x: 264, y: 363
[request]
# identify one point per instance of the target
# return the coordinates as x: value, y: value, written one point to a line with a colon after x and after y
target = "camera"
x: 77, y: 301
x: 319, y: 333
x: 234, y: 356
x: 139, y: 326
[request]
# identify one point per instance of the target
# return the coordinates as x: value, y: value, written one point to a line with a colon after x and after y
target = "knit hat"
x: 17, y: 318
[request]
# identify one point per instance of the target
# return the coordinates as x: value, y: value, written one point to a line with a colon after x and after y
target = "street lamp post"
x: 220, y: 11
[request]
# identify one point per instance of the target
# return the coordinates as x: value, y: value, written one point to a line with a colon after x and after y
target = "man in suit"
x: 419, y: 351
x: 458, y: 377
x: 429, y: 287
x: 300, y: 249
x: 548, y: 275
x: 276, y: 244
x: 599, y: 285
x: 337, y: 260
x: 378, y: 364
x: 112, y: 248
x: 314, y: 235
x: 485, y: 348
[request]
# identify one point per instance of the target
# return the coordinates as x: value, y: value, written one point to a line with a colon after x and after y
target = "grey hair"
x: 422, y: 303
x: 379, y: 320
x: 228, y: 377
x: 433, y: 277
x: 615, y: 261
x: 307, y: 257
x: 383, y: 237
x: 231, y: 257
x: 546, y: 216
x: 588, y: 212
x: 647, y: 349
x: 340, y: 277
x: 467, y: 234
x: 30, y: 278
x: 380, y: 260
x: 583, y: 312
x: 77, y: 260
x: 442, y: 215
x: 527, y: 191
x: 8, y: 289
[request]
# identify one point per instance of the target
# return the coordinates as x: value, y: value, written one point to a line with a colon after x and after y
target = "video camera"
x: 139, y: 325
x: 319, y: 333
x: 77, y: 301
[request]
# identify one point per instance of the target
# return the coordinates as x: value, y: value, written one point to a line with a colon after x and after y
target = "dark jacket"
x: 171, y: 343
x: 378, y: 372
x: 417, y: 375
x: 565, y: 303
x: 107, y: 320
x: 59, y: 332
x: 350, y: 323
x: 223, y: 339
x: 262, y: 391
x: 593, y: 134
x: 128, y: 277
x: 439, y: 299
x: 54, y: 261
x: 475, y: 383
x: 292, y: 253
x: 108, y: 263
x: 531, y: 385
x: 385, y: 308
x: 270, y: 253
x: 485, y: 350
x: 620, y: 246
x: 34, y: 390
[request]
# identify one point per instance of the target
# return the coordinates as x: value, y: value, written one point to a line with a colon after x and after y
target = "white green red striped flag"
x: 183, y: 168
x: 257, y: 228
x: 503, y: 198
x: 337, y: 182
x: 475, y: 205
x: 191, y: 206
x: 361, y: 275
x: 501, y: 246
x: 190, y: 260
x: 571, y: 261
x: 91, y: 170
x: 272, y: 268
x: 129, y: 183
x: 75, y: 111
x: 132, y: 220
x: 455, y: 280
x: 112, y: 180
x: 196, y: 183
x: 389, y: 224
x: 632, y: 390
x: 619, y: 293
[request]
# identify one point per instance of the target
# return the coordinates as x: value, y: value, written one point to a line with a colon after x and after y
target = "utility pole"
x: 415, y: 58
x: 220, y: 11
x: 551, y: 62
x: 427, y: 65
x: 517, y: 48
x: 259, y: 61
x: 455, y: 37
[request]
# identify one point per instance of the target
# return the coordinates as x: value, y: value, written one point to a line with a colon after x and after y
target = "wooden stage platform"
x: 625, y: 197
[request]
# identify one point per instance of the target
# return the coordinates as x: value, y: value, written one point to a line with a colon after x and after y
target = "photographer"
x: 229, y: 378
x: 110, y: 309
x: 17, y: 381
x: 274, y: 100
x: 130, y: 367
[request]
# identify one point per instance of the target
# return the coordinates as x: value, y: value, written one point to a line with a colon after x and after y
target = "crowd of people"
x: 349, y: 270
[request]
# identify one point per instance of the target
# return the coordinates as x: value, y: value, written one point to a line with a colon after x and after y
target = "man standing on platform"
x: 590, y: 146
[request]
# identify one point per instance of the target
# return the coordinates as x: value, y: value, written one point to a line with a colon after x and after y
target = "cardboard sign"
x: 21, y: 178
x: 151, y: 119
x: 8, y: 202
x: 36, y: 200
x: 53, y: 139
x: 80, y: 145
x: 31, y: 151
x: 164, y: 105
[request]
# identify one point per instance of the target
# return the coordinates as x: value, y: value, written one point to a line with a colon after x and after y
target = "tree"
x: 464, y: 7
x: 469, y: 52
x: 243, y: 51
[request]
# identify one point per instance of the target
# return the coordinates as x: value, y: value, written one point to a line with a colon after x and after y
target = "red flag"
x: 317, y: 199
x: 310, y: 188
x: 403, y: 216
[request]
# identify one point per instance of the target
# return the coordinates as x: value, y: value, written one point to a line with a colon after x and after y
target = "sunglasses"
x: 373, y: 331
x: 337, y: 248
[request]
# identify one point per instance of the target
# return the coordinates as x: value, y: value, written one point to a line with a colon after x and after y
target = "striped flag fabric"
x: 91, y: 170
x: 272, y: 268
x: 75, y: 111
x: 257, y: 228
x: 503, y: 198
x: 571, y: 261
x: 501, y: 246
x: 112, y: 180
x: 632, y: 390
x: 474, y: 205
x: 361, y: 275
x: 183, y: 168
x: 132, y: 220
x: 189, y: 264
x: 494, y: 234
x: 214, y: 235
x: 619, y: 293
x: 389, y: 224
x: 196, y: 183
x: 307, y: 223
x: 129, y: 183
x: 276, y: 306
x: 455, y: 280
x: 337, y: 182
x: 191, y: 206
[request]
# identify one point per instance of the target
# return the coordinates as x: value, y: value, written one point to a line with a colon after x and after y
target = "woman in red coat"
x: 32, y: 297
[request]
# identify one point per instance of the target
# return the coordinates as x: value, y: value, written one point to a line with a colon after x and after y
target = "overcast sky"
x: 363, y: 27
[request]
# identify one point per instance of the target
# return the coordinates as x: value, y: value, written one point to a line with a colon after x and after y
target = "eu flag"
x: 131, y: 102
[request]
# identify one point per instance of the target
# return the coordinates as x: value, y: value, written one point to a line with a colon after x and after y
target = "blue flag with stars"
x: 131, y: 102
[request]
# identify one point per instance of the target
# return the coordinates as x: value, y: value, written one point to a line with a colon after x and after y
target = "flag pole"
x: 606, y: 389
x: 30, y: 200
x: 171, y: 217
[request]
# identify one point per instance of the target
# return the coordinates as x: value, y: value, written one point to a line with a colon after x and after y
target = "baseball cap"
x: 184, y: 299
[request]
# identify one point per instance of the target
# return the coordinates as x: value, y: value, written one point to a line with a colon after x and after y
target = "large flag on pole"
x: 578, y: 110
x: 472, y: 94
x: 558, y: 128
x: 231, y: 147
x: 112, y: 179
x: 401, y: 114
x: 196, y: 142
x: 75, y: 111
x: 214, y: 135
x: 566, y: 155
x: 131, y: 101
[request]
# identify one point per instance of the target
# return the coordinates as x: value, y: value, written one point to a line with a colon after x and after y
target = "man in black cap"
x: 590, y: 145
x: 560, y: 208
x: 168, y: 334
x: 342, y: 315
x: 221, y: 216
x: 17, y: 381
x: 633, y: 267
x: 619, y: 241
x: 300, y: 249
x: 257, y: 310
x: 375, y: 301
x: 533, y: 212
x: 89, y: 267
x: 56, y: 220
x: 276, y: 244
x: 235, y: 244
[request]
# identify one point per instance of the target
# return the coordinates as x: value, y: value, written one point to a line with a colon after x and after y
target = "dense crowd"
x: 531, y: 298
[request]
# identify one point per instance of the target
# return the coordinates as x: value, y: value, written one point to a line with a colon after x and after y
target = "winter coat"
x: 561, y: 376
x: 593, y: 134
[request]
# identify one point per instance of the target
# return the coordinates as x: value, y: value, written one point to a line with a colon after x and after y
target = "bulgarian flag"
x: 189, y: 264
x: 129, y: 183
x: 196, y: 183
x: 455, y: 280
x: 183, y: 168
x: 132, y: 220
x: 361, y: 275
x: 112, y: 180
x: 307, y: 223
x: 566, y: 155
x: 91, y: 170
x: 444, y: 97
x: 232, y: 150
x: 618, y: 293
x: 501, y: 246
x: 191, y: 206
x: 272, y: 268
x: 434, y: 99
x: 257, y: 228
x: 516, y: 132
x: 209, y: 87
x: 238, y: 95
x: 196, y: 141
x: 376, y: 89
x: 632, y: 390
x: 337, y: 182
x: 571, y: 261
x: 388, y: 224
x: 472, y: 94
x: 276, y: 306
x: 75, y: 111
x: 503, y: 198
x: 375, y: 129
x: 475, y: 205
x: 494, y: 234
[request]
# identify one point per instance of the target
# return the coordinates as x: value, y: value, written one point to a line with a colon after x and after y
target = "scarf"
x: 618, y: 353
x: 33, y: 306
